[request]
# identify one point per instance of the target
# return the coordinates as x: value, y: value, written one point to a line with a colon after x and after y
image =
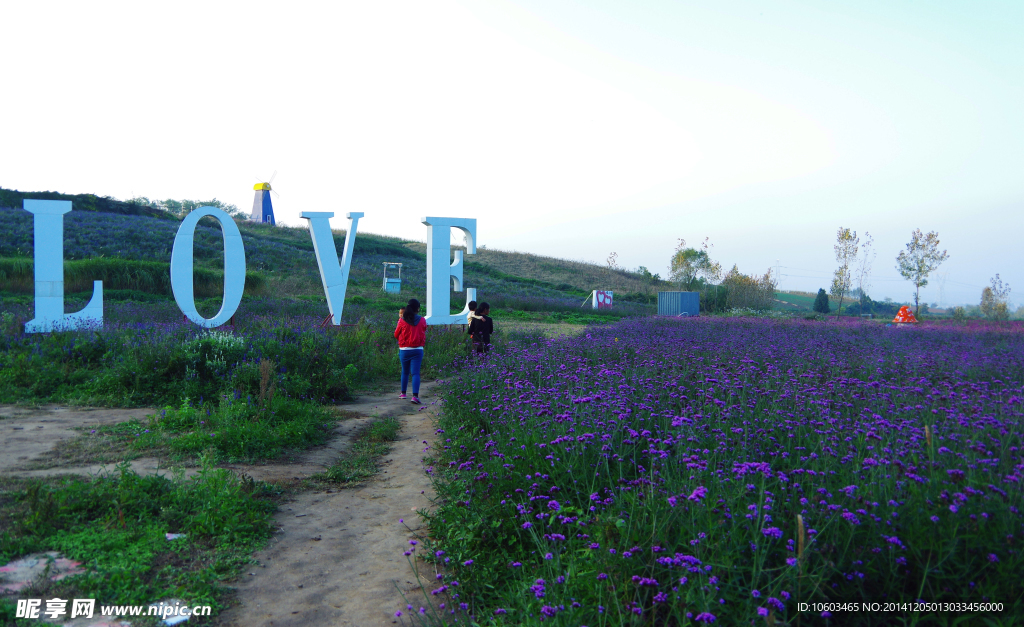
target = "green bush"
x: 233, y: 430
x: 821, y: 302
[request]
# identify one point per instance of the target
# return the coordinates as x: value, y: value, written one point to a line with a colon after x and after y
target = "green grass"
x: 115, y: 526
x: 137, y: 366
x: 361, y: 461
x: 148, y: 277
x: 796, y: 301
x: 555, y: 317
x: 232, y: 431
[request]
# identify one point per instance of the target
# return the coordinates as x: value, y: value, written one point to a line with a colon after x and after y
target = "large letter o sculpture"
x: 234, y: 267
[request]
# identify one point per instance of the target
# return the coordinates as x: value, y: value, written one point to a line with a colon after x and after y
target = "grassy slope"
x: 794, y: 301
x: 804, y: 301
x: 281, y: 263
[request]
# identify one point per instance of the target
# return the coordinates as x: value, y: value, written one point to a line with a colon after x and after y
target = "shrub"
x: 750, y: 292
x: 821, y: 302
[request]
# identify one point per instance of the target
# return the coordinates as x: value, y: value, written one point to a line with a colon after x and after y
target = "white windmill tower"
x: 262, y: 209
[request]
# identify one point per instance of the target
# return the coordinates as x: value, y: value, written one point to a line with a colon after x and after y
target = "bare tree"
x: 867, y: 258
x: 710, y: 271
x: 921, y: 258
x: 846, y: 249
x: 612, y: 261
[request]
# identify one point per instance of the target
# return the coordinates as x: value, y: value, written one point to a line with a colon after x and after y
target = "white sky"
x: 570, y: 129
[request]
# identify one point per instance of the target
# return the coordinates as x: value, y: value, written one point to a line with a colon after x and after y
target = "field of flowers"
x: 724, y: 470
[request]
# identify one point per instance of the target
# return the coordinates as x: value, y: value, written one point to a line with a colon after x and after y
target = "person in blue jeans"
x: 411, y: 334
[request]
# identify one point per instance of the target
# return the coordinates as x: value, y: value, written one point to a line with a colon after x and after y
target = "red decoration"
x: 905, y: 315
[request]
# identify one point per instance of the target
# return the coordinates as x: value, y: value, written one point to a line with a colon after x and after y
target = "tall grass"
x: 147, y: 362
x: 151, y: 277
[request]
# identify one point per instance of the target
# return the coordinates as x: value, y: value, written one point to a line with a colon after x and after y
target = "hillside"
x: 10, y: 198
x: 796, y: 301
x: 131, y: 254
x: 802, y: 302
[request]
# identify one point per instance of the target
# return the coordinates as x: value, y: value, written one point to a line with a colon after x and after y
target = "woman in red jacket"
x: 410, y: 333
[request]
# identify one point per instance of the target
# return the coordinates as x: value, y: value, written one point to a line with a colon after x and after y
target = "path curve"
x: 337, y: 557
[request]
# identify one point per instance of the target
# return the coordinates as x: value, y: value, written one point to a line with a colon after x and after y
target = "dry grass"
x: 580, y: 275
x: 83, y: 451
x: 547, y: 329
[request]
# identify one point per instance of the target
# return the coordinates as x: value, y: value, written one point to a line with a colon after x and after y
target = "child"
x: 411, y: 333
x: 481, y: 328
x: 469, y: 321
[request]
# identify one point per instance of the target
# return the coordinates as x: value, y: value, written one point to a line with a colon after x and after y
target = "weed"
x: 116, y: 525
x: 360, y: 462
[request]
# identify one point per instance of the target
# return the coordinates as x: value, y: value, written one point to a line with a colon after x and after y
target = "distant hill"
x: 565, y: 275
x: 12, y: 198
x: 796, y: 301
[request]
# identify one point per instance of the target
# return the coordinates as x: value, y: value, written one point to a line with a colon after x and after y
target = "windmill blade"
x: 274, y: 192
x: 271, y: 181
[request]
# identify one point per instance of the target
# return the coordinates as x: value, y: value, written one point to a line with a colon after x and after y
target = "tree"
x: 686, y: 264
x: 988, y: 302
x: 709, y: 270
x: 182, y: 208
x: 921, y: 258
x: 612, y: 261
x: 863, y: 269
x: 846, y: 254
x: 821, y: 302
x: 647, y: 276
x: 754, y: 292
x: 994, y: 305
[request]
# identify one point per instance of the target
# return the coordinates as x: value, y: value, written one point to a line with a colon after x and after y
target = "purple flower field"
x: 724, y: 470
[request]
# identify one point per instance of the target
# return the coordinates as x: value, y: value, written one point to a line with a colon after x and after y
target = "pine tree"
x: 821, y: 302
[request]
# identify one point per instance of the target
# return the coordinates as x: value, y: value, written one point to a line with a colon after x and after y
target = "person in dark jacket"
x: 411, y: 334
x: 481, y: 327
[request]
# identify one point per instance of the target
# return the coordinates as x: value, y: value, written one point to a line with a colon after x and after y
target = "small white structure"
x: 392, y: 285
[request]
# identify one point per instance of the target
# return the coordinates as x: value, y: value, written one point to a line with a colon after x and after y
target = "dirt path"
x: 27, y: 434
x: 337, y: 559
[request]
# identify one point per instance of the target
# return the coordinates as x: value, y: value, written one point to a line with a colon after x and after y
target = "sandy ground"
x: 27, y: 434
x: 337, y: 559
